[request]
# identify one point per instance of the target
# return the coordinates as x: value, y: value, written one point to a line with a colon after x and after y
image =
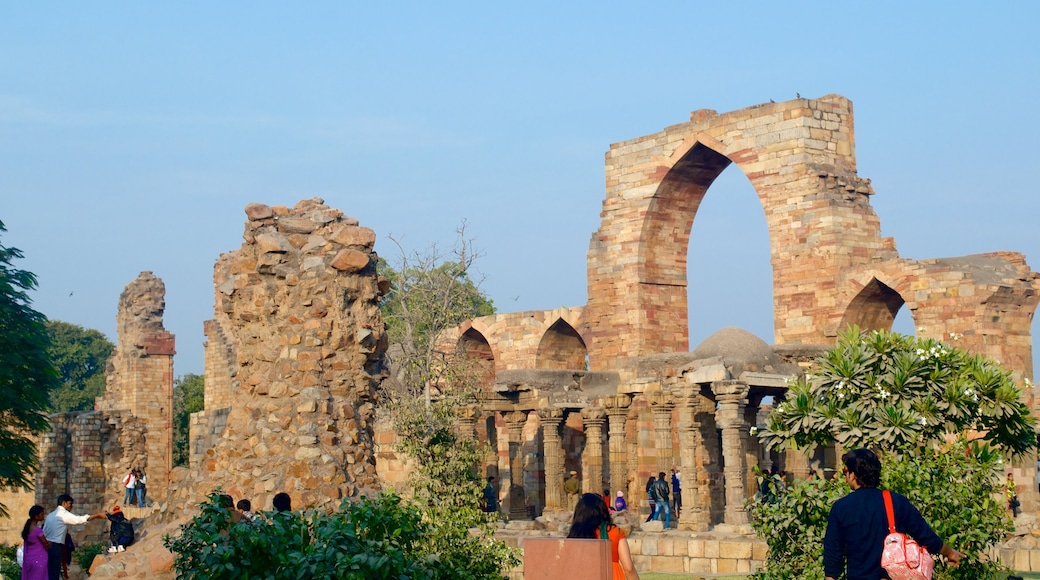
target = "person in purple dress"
x: 34, y: 565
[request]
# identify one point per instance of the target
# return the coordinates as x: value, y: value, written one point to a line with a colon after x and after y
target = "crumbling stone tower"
x: 139, y: 377
x: 294, y: 356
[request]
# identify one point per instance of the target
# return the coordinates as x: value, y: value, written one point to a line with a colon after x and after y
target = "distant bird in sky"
x: 798, y: 95
x: 70, y: 294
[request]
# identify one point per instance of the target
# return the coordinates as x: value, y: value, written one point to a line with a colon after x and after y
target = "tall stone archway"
x: 800, y: 158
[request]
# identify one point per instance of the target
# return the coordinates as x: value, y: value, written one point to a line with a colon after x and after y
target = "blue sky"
x: 132, y: 135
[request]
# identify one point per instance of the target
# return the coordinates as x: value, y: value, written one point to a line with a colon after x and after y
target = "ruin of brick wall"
x: 295, y: 356
x: 86, y: 455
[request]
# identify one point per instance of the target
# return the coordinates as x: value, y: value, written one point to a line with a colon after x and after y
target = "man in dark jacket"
x: 660, y: 493
x: 858, y: 524
x: 122, y: 532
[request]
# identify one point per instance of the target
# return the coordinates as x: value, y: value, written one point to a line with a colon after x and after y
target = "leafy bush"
x: 916, y: 402
x: 9, y: 567
x: 381, y: 538
x: 86, y: 553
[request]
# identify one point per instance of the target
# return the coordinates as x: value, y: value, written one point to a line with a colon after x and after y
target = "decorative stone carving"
x: 593, y: 419
x: 553, y: 453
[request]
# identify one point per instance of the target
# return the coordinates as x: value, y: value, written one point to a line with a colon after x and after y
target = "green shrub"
x: 381, y: 538
x: 9, y: 567
x: 86, y: 553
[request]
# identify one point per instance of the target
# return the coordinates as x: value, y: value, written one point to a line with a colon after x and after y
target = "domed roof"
x: 740, y: 351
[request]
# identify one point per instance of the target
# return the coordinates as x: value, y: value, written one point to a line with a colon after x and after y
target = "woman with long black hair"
x: 34, y: 559
x: 592, y: 520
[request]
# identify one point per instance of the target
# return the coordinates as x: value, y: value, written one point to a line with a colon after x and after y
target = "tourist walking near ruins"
x: 662, y: 501
x: 592, y: 521
x: 36, y: 546
x: 650, y: 497
x: 56, y: 527
x: 858, y: 523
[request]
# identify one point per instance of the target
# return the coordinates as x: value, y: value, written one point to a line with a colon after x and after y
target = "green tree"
x: 27, y: 376
x: 188, y: 397
x: 884, y: 390
x: 944, y: 422
x: 430, y: 293
x: 79, y: 355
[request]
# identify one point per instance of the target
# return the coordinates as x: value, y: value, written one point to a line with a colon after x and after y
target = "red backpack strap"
x: 889, y: 512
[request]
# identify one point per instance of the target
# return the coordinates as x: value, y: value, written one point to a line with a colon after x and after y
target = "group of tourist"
x: 47, y: 544
x: 243, y: 510
x: 135, y: 484
x: 47, y: 547
x: 664, y: 496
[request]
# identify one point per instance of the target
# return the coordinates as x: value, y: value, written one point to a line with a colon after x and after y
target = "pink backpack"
x: 901, y: 557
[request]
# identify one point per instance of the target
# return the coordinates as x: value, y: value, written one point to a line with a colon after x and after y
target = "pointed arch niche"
x: 475, y: 347
x: 561, y: 348
x: 875, y: 308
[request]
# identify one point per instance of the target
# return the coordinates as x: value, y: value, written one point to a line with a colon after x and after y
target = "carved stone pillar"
x: 617, y: 411
x: 593, y: 419
x: 732, y: 398
x: 553, y: 453
x: 661, y: 405
x: 696, y: 497
x: 517, y: 504
x: 466, y: 422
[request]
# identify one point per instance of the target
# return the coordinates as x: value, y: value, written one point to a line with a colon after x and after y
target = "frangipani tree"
x: 944, y: 422
x: 884, y: 390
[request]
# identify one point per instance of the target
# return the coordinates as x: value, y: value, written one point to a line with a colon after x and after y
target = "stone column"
x: 661, y: 405
x: 593, y: 419
x: 732, y: 398
x: 617, y: 411
x: 696, y: 502
x: 553, y: 453
x: 517, y: 506
x: 466, y: 423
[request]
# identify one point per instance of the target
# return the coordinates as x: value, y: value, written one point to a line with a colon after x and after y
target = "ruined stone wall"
x: 86, y: 456
x: 297, y: 344
x: 518, y: 340
x: 139, y: 378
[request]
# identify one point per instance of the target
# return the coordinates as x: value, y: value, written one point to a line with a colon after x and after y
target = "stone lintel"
x: 158, y: 344
x: 707, y: 374
x: 764, y: 379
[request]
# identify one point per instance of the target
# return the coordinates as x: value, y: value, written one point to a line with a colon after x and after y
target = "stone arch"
x: 799, y: 157
x: 873, y: 308
x: 561, y: 348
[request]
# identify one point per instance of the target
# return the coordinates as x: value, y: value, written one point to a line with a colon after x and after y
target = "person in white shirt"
x: 130, y: 482
x: 55, y: 526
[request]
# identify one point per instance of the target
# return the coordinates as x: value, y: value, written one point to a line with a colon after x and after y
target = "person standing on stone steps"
x: 130, y: 483
x: 141, y: 488
x: 676, y: 492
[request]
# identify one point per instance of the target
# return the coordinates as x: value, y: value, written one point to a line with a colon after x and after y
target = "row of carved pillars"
x: 730, y: 410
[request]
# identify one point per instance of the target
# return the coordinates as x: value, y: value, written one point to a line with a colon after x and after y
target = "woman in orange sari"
x: 591, y: 520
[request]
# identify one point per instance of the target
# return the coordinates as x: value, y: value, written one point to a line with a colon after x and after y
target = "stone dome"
x: 740, y: 351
